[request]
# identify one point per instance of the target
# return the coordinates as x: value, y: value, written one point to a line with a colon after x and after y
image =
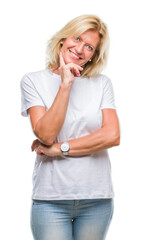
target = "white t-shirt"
x: 65, y: 177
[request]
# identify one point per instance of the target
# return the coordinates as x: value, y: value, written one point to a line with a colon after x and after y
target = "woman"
x: 72, y: 112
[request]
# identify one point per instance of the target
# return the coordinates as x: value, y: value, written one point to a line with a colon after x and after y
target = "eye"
x: 77, y: 39
x: 90, y: 48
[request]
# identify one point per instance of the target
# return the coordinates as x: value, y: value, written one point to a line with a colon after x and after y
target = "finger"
x: 75, y: 66
x: 75, y: 70
x: 37, y: 150
x: 62, y: 63
x: 36, y: 144
x: 40, y: 151
x: 42, y: 154
x: 33, y: 144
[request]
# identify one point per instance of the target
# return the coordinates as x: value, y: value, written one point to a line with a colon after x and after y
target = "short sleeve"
x: 29, y: 95
x: 108, y: 100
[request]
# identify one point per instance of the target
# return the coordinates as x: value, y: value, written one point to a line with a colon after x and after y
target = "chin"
x: 67, y: 61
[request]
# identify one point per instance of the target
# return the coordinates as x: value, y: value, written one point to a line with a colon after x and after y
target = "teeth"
x: 75, y: 55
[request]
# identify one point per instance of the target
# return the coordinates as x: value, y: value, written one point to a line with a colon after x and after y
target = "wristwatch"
x: 65, y: 148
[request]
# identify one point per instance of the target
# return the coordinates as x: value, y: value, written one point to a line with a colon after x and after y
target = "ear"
x: 61, y: 43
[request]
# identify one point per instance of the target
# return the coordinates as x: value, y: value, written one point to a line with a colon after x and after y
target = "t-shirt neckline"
x: 57, y: 76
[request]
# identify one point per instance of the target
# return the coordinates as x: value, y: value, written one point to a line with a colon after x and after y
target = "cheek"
x: 68, y: 43
x: 91, y: 54
x: 88, y: 55
x: 64, y: 50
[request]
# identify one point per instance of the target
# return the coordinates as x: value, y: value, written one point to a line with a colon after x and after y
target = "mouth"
x: 74, y: 55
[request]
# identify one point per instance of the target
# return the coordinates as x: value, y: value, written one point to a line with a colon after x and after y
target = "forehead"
x: 90, y: 36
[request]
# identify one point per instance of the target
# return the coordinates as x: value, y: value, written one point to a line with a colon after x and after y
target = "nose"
x: 79, y: 48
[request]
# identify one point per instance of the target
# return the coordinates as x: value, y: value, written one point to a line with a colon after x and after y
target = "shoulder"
x: 35, y: 76
x: 101, y: 80
x: 35, y: 79
x: 105, y: 80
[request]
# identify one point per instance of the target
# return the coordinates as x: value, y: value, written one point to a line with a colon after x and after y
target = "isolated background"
x: 25, y: 26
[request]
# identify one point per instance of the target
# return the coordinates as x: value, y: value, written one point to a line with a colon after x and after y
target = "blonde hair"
x: 75, y: 28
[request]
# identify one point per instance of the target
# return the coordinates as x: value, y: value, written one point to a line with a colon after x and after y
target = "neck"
x: 56, y: 71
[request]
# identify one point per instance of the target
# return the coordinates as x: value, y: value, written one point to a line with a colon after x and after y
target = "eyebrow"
x: 88, y: 44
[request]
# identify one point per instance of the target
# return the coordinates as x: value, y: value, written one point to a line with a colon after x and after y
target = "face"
x: 81, y: 49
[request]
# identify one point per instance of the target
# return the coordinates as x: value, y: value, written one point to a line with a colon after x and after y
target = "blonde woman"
x: 72, y: 112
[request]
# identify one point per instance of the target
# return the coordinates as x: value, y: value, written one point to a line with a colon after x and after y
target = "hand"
x: 68, y: 71
x: 36, y: 146
x: 43, y: 150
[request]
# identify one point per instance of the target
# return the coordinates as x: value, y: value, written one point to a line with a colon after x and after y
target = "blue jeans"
x: 86, y: 219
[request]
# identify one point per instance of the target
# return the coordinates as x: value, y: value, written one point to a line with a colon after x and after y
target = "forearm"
x: 48, y: 127
x: 102, y: 139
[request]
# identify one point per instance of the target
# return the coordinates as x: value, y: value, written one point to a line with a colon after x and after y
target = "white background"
x: 25, y: 28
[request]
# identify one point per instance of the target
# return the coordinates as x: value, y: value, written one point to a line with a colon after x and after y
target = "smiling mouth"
x: 74, y: 55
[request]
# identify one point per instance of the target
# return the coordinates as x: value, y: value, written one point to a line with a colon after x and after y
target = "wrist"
x: 65, y: 87
x: 65, y: 147
x: 58, y: 150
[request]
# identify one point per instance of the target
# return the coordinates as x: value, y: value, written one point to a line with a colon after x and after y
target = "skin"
x: 75, y: 53
x: 78, y: 50
x: 106, y: 137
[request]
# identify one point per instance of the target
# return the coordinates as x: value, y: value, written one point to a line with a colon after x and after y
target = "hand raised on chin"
x: 68, y: 71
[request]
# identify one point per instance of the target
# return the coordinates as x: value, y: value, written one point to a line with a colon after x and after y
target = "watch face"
x: 65, y: 147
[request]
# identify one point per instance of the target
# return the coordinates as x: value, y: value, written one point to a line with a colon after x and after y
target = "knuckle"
x: 40, y: 147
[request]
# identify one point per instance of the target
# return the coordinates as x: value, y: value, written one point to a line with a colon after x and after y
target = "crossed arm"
x: 107, y: 136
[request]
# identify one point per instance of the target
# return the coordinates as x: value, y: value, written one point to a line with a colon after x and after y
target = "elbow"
x: 47, y: 140
x: 115, y: 139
